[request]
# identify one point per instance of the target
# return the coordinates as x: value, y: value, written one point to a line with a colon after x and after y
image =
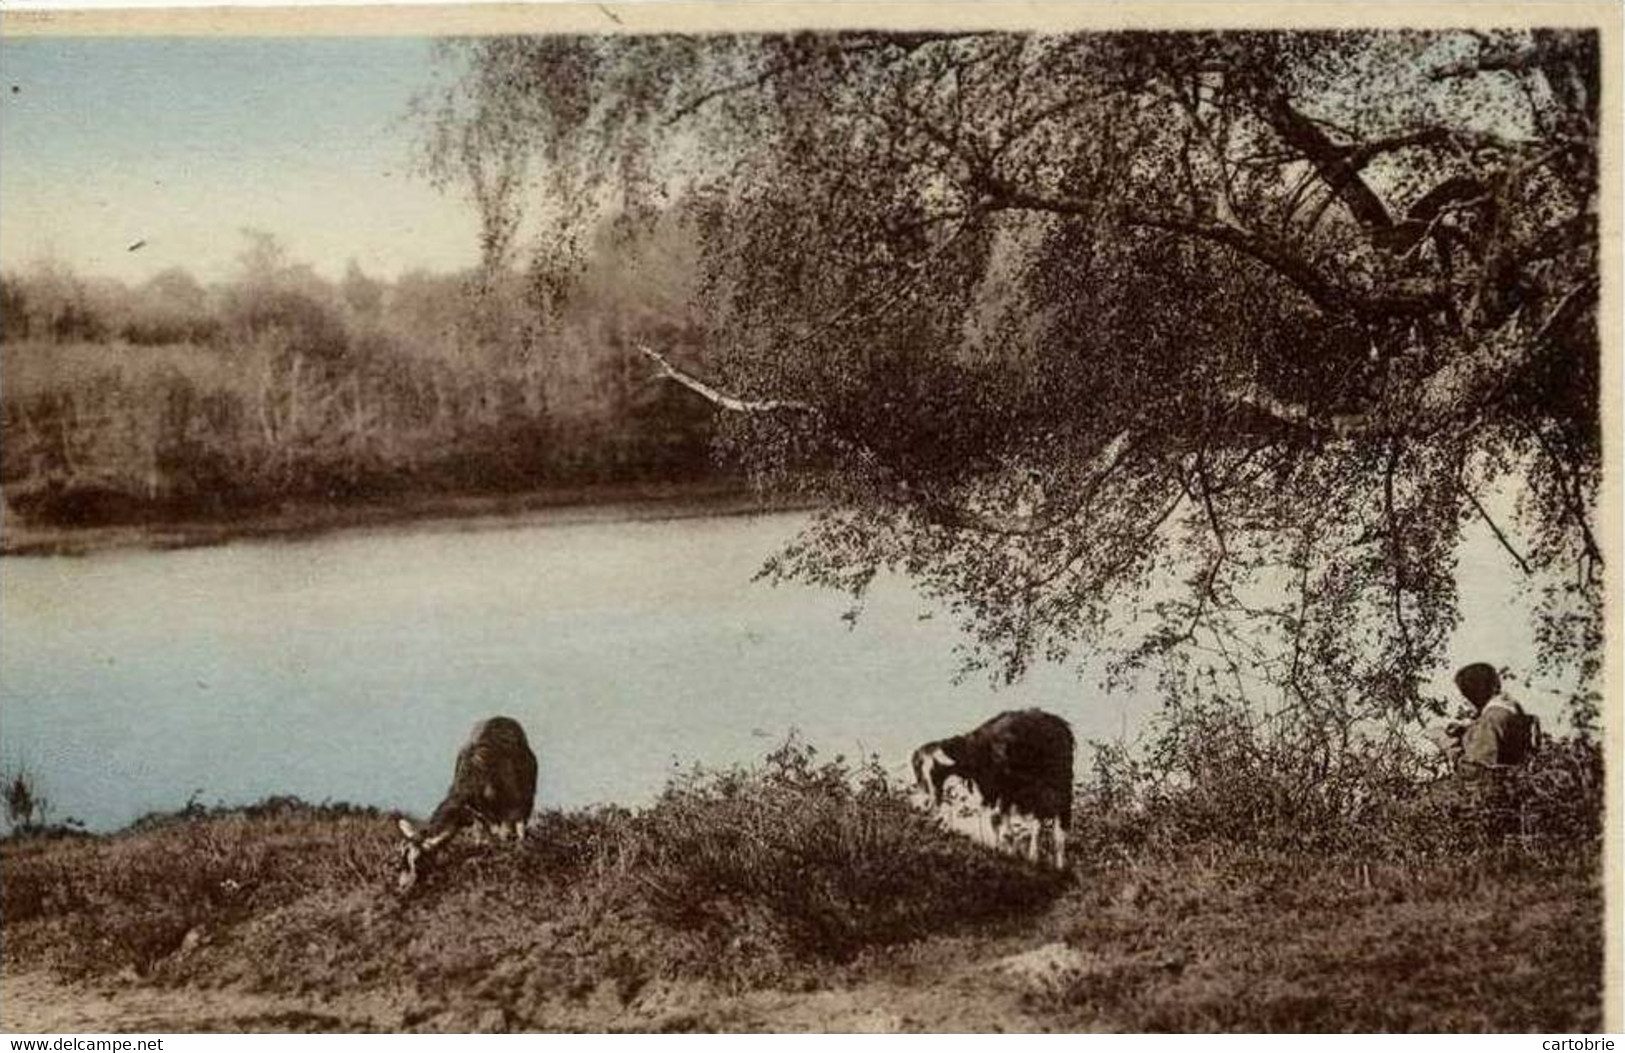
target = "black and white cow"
x: 493, y: 788
x: 1019, y: 764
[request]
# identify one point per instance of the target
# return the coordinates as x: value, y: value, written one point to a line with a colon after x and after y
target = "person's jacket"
x: 1503, y: 735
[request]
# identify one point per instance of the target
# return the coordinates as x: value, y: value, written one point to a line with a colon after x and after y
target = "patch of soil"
x: 975, y: 998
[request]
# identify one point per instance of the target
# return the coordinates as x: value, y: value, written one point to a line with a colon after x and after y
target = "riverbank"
x: 299, y: 520
x: 796, y: 897
x: 1121, y: 950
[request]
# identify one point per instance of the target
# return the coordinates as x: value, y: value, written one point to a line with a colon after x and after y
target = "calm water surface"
x: 351, y: 667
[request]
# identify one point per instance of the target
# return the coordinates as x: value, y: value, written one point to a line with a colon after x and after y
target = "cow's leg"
x: 1035, y: 827
x: 1010, y: 830
x: 519, y: 830
x: 996, y: 819
x: 1060, y: 845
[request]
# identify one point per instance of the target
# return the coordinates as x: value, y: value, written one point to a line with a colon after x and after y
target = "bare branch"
x: 1299, y: 415
x: 1501, y: 60
x: 1207, y: 502
x: 1360, y: 155
x: 1406, y: 300
x: 1483, y: 514
x: 1131, y: 551
x: 1396, y: 553
x: 1225, y: 201
x: 1321, y: 292
x: 1339, y: 166
x: 1422, y: 299
x: 732, y: 403
x: 981, y: 520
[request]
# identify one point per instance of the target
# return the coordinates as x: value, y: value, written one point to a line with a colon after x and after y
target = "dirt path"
x: 959, y: 1007
x: 37, y: 1003
x: 986, y: 996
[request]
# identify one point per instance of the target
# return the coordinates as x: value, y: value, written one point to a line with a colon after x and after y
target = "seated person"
x: 1501, y: 735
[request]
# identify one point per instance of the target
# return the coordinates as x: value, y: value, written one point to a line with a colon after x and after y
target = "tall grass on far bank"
x: 104, y: 434
x: 173, y: 402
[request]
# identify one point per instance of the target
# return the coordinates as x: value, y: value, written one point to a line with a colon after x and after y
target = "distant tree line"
x: 175, y: 399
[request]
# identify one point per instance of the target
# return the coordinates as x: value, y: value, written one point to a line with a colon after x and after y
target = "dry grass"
x: 110, y: 433
x: 174, y: 403
x: 1260, y: 942
x: 802, y: 877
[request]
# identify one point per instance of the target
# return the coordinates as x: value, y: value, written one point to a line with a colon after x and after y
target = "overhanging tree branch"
x: 1105, y: 461
x: 1483, y: 514
x: 1453, y: 389
x: 1322, y: 292
x: 1006, y: 417
x: 732, y: 403
x: 1101, y: 465
x: 1338, y: 166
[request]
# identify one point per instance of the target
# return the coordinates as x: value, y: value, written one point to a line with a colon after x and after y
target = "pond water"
x: 351, y: 666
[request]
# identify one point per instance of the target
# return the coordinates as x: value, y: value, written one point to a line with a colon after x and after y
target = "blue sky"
x: 184, y: 141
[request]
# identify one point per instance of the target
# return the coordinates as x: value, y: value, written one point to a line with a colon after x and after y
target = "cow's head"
x: 415, y: 851
x: 933, y: 763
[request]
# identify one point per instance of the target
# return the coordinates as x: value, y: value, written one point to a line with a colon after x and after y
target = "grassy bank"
x: 806, y: 895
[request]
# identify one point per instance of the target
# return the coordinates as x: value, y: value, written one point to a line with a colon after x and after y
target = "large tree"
x: 1056, y: 323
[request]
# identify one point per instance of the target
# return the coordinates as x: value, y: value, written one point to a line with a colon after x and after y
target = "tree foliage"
x: 1197, y: 349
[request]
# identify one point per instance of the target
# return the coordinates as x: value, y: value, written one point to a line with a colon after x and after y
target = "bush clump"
x: 1218, y: 775
x: 838, y: 857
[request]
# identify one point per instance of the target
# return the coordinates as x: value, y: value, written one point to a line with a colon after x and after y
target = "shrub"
x: 24, y: 805
x: 1219, y: 775
x: 839, y: 858
x: 307, y: 326
x: 1551, y: 804
x: 101, y: 904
